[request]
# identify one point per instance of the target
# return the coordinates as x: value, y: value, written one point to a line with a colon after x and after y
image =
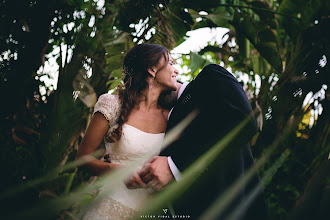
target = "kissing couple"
x: 135, y: 121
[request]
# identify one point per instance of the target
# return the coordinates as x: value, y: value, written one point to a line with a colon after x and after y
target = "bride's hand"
x: 135, y: 182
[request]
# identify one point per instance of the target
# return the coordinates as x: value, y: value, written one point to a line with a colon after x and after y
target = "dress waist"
x: 132, y: 198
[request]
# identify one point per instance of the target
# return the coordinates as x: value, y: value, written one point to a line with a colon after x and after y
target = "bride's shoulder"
x: 108, y: 98
x: 109, y: 106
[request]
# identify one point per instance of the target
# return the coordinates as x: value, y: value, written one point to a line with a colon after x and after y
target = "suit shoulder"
x: 214, y: 70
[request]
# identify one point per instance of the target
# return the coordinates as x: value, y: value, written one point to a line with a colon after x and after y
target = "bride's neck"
x: 150, y: 98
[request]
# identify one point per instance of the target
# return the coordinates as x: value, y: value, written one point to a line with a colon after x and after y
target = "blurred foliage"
x: 278, y: 49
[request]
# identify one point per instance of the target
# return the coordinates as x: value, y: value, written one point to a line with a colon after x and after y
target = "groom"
x: 222, y: 105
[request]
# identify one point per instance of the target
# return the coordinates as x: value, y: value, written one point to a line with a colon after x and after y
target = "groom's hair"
x: 167, y: 99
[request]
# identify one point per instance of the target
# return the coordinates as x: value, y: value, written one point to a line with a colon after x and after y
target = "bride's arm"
x: 95, y: 133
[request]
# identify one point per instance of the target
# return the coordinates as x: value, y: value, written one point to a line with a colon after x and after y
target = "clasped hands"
x: 155, y: 174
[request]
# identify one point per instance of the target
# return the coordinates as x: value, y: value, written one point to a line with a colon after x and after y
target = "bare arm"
x: 97, y: 129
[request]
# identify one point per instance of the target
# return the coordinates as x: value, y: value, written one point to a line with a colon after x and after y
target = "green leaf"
x: 255, y: 64
x: 268, y: 35
x: 264, y: 67
x: 197, y: 62
x: 220, y: 17
x: 247, y: 28
x: 114, y: 83
x: 114, y: 62
x: 262, y: 5
x: 269, y: 51
x: 116, y: 73
x: 244, y: 46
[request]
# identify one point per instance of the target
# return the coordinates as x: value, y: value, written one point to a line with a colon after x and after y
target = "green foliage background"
x: 283, y: 44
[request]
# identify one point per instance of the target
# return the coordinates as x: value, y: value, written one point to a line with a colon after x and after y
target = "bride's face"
x: 166, y: 77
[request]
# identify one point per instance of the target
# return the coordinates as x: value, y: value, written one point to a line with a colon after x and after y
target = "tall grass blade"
x: 224, y: 201
x: 242, y: 207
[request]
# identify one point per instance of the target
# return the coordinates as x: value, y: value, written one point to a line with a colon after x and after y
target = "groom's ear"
x: 152, y: 72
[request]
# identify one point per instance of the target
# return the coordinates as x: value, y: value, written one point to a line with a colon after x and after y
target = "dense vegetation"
x: 281, y: 46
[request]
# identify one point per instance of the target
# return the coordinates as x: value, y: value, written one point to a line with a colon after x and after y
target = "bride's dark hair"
x: 136, y: 63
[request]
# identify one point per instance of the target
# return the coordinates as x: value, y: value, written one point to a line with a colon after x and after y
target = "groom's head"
x: 168, y: 98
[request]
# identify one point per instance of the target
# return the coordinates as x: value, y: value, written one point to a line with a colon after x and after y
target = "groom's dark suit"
x: 222, y: 104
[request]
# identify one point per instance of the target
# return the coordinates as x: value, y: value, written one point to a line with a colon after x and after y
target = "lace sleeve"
x: 109, y: 106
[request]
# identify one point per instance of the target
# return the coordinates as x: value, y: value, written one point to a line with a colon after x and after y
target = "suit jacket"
x: 222, y: 104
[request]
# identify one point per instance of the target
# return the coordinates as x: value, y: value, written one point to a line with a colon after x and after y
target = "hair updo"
x: 136, y: 63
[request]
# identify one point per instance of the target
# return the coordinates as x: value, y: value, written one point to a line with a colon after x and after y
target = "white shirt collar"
x: 184, y: 85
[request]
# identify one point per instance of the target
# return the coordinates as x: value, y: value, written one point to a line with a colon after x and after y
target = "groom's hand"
x: 156, y: 173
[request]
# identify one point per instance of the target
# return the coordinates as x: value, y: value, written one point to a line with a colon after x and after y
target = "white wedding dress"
x: 123, y: 203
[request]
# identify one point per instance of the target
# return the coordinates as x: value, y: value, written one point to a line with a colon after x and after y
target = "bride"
x: 132, y: 124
